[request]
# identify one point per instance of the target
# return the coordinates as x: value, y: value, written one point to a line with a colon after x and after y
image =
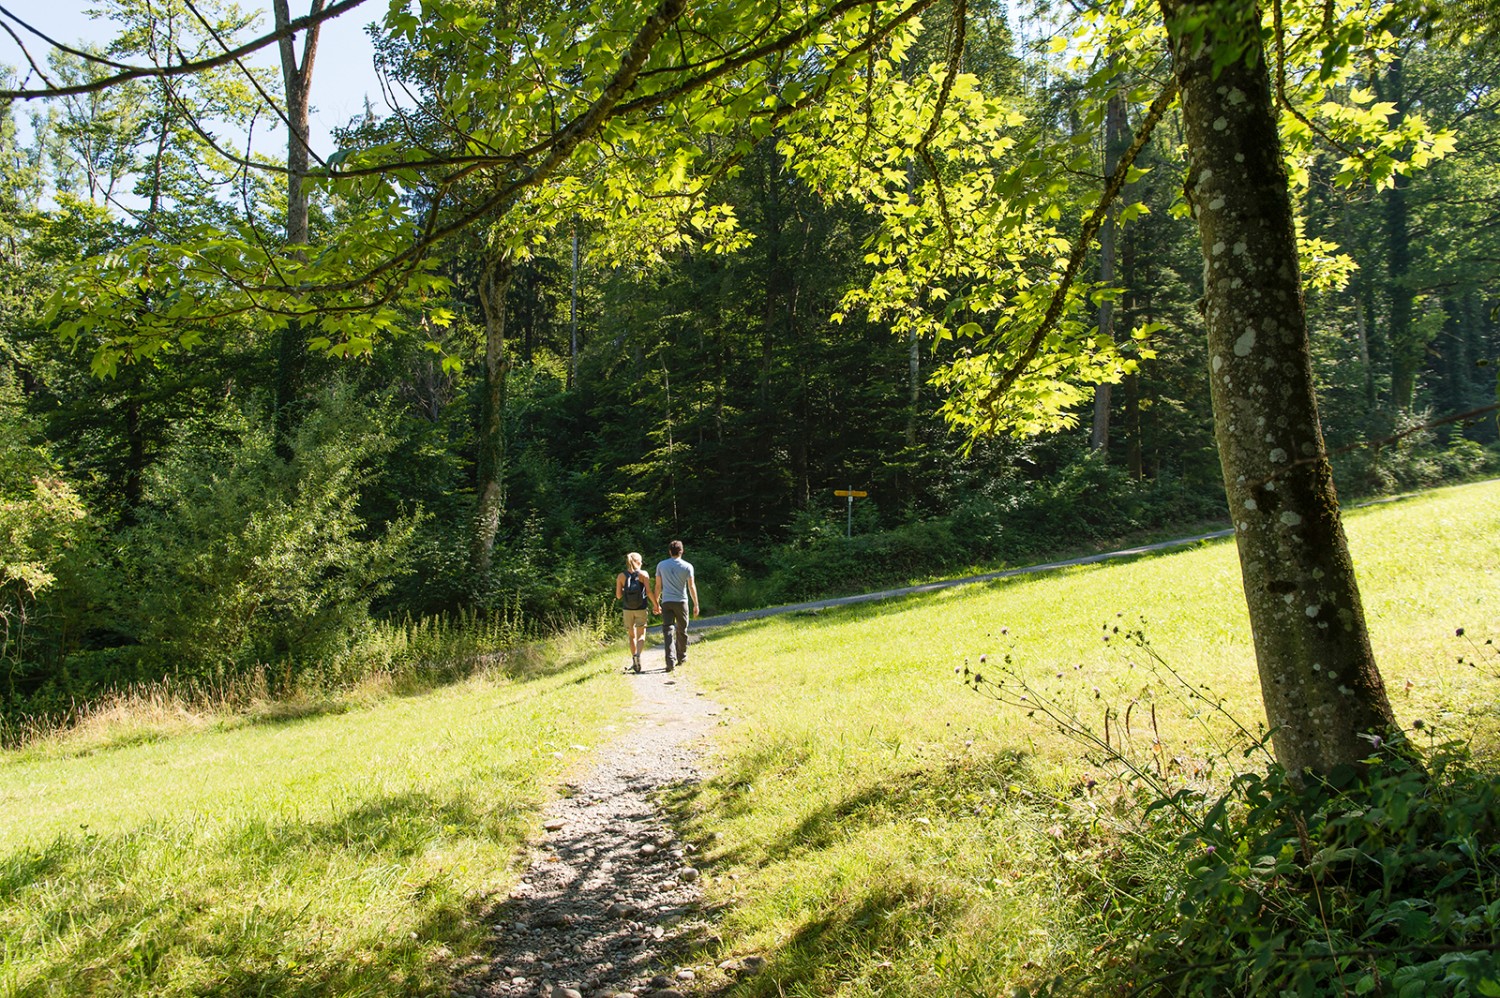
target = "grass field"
x: 873, y: 827
x: 349, y: 853
x: 885, y: 831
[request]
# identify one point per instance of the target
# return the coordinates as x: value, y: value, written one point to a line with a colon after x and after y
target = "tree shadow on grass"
x: 850, y: 931
x: 832, y: 947
x: 265, y: 907
x: 964, y: 786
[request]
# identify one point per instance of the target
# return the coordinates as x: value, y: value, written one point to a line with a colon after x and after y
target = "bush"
x: 1415, y: 460
x: 42, y: 522
x: 841, y: 565
x: 240, y: 558
x: 1383, y: 883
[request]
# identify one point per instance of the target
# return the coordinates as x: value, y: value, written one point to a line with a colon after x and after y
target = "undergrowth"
x: 1380, y: 881
x: 401, y: 656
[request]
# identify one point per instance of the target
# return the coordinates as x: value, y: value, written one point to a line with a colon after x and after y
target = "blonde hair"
x: 633, y: 560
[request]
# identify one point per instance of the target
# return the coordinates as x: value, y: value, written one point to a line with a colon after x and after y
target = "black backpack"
x: 635, y: 591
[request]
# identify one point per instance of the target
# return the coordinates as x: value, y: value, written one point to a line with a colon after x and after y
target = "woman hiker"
x: 633, y: 589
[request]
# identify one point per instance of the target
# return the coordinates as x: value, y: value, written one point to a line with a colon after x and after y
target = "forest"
x: 567, y: 295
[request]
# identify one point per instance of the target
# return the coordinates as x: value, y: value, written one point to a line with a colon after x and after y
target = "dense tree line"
x: 193, y: 495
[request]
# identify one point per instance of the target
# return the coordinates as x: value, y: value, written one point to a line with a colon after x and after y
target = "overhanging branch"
x: 185, y: 68
x: 1091, y: 226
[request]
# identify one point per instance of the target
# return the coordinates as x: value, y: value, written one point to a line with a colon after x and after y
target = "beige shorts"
x: 637, y: 618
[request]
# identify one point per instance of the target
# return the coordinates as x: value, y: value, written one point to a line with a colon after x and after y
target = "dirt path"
x: 611, y: 894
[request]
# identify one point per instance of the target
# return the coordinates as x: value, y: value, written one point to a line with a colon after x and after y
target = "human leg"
x: 673, y: 623
x: 635, y: 631
x: 682, y: 629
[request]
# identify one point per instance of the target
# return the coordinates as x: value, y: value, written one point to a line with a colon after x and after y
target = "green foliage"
x: 39, y: 512
x: 42, y: 520
x: 1084, y: 505
x: 1381, y: 883
x: 868, y: 561
x: 1377, y: 879
x: 712, y: 398
x: 1417, y: 459
x: 241, y: 559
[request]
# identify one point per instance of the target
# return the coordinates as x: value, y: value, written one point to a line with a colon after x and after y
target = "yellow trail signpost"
x: 853, y: 494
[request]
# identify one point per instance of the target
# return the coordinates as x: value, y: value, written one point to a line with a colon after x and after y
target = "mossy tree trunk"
x: 1322, y: 691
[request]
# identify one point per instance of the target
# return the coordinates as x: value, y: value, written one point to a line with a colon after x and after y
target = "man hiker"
x: 633, y: 590
x: 674, y: 584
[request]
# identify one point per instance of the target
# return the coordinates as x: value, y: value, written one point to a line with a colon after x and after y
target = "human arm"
x: 692, y: 588
x: 619, y: 585
x: 653, y: 597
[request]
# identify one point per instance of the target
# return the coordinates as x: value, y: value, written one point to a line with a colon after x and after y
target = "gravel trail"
x: 611, y: 894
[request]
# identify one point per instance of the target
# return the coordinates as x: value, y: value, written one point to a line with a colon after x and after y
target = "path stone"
x: 607, y: 899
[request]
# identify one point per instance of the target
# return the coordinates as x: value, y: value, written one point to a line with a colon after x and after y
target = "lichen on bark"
x: 1323, y: 693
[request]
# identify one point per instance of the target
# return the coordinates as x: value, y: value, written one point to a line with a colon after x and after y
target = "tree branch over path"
x: 560, y: 144
x: 1090, y: 229
x: 187, y: 68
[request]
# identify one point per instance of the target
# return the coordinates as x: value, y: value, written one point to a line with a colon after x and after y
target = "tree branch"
x: 559, y: 145
x: 1090, y: 229
x: 185, y: 68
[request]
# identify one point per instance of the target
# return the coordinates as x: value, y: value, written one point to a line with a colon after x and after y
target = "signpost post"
x: 853, y: 494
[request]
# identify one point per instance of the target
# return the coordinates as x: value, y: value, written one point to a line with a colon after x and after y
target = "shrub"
x: 849, y: 565
x: 240, y: 558
x: 42, y: 520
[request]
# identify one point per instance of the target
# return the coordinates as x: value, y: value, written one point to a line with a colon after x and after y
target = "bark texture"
x: 490, y: 467
x: 297, y: 79
x: 1321, y: 688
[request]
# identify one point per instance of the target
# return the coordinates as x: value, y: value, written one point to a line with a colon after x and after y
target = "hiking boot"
x: 670, y: 666
x: 635, y: 664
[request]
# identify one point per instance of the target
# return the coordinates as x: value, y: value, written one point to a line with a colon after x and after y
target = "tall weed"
x: 1384, y: 881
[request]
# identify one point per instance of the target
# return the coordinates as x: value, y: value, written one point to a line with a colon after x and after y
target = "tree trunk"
x: 1406, y: 352
x: 1116, y: 141
x: 914, y: 387
x: 1322, y: 690
x: 297, y: 79
x: 490, y: 465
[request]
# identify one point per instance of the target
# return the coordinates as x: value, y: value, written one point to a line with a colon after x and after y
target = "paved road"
x: 771, y: 611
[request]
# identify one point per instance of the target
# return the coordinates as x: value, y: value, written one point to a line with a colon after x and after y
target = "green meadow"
x: 873, y: 826
x: 878, y: 828
x: 347, y: 853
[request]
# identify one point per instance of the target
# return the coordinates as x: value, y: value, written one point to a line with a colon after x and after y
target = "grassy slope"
x: 885, y: 831
x: 335, y: 854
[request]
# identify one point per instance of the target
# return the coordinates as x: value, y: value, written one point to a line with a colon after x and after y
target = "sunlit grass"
x: 876, y: 828
x: 884, y: 831
x: 352, y: 852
